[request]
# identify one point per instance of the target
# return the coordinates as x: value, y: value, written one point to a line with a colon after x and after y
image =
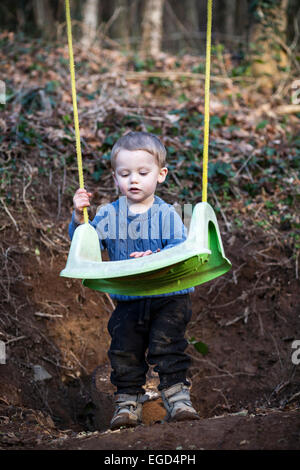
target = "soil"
x: 246, y: 389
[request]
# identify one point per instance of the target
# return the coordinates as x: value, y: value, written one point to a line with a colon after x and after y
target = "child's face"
x: 137, y: 174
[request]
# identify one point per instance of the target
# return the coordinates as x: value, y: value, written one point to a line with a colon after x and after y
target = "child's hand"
x: 81, y: 199
x: 139, y: 254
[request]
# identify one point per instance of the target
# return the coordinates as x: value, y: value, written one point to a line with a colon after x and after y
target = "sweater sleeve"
x: 94, y: 223
x: 173, y: 230
x: 72, y: 226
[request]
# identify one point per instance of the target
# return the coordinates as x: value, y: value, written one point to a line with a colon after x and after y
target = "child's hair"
x: 140, y: 141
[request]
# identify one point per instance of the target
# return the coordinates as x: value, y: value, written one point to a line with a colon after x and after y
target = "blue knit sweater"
x: 121, y: 232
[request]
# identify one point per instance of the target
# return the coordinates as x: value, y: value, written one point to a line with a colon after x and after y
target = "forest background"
x: 140, y: 65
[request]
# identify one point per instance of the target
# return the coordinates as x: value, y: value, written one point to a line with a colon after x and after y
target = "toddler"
x: 144, y: 329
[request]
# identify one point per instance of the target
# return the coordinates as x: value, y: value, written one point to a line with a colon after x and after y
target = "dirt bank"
x: 246, y: 388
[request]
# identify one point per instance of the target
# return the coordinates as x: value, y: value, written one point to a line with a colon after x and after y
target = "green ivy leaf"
x: 201, y: 347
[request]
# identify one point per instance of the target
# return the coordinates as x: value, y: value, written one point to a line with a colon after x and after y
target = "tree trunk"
x: 241, y: 18
x: 188, y: 11
x: 120, y: 26
x: 44, y: 16
x: 135, y: 14
x: 20, y: 18
x: 230, y: 10
x: 90, y: 22
x: 152, y: 27
x: 269, y: 60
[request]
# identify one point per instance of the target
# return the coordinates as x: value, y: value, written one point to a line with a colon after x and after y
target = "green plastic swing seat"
x: 200, y: 258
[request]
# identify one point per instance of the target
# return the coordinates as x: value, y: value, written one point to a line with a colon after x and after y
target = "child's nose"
x: 134, y: 177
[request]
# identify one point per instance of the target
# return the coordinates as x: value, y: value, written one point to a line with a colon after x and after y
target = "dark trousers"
x: 149, y: 331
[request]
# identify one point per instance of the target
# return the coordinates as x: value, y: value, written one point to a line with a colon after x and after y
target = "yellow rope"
x: 206, y: 98
x: 75, y: 111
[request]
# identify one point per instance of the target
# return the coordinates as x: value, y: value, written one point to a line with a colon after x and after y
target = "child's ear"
x: 115, y: 179
x: 162, y: 174
x: 117, y: 188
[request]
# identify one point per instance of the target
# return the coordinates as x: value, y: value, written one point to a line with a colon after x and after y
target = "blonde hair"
x: 140, y: 141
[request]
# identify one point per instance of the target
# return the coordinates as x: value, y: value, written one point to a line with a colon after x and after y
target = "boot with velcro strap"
x: 178, y: 404
x: 128, y: 412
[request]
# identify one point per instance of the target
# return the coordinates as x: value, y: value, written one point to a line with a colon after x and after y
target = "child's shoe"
x: 178, y: 403
x: 128, y: 411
